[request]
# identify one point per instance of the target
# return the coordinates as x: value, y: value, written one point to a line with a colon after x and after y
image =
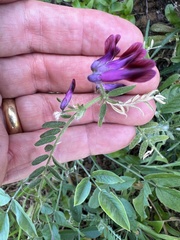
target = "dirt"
x: 153, y: 10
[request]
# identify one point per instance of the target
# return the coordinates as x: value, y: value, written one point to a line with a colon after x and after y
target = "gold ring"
x: 11, y: 116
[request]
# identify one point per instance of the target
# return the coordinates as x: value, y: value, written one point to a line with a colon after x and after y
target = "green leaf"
x: 58, y: 164
x: 55, y: 232
x: 164, y: 179
x: 141, y: 201
x: 55, y: 172
x: 46, y: 209
x: 116, y: 7
x: 23, y: 219
x: 91, y: 232
x: 128, y: 182
x: 120, y: 91
x: 106, y: 177
x: 157, y: 225
x: 102, y: 114
x: 51, y: 184
x: 50, y: 132
x: 172, y: 100
x: 34, y: 183
x: 37, y: 172
x: 169, y: 197
x: 143, y: 148
x: 130, y: 213
x: 169, y: 81
x: 161, y: 28
x: 53, y: 124
x: 158, y: 138
x: 45, y: 140
x: 4, y: 226
x: 40, y: 159
x: 75, y: 211
x: 82, y: 191
x: 66, y: 116
x: 114, y: 208
x: 93, y: 201
x: 172, y: 15
x: 60, y: 219
x: 137, y: 139
x: 48, y: 147
x: 4, y: 198
x: 155, y: 235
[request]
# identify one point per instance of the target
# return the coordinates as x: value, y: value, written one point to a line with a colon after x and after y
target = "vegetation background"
x: 131, y: 194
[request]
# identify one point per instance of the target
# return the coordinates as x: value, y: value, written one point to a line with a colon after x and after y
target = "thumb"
x: 4, y: 142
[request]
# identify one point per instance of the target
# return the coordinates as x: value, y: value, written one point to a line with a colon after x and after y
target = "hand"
x: 42, y: 48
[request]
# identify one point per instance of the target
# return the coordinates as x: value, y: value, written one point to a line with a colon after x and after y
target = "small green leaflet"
x: 120, y: 91
x: 82, y: 191
x: 40, y: 159
x: 102, y: 114
x: 45, y: 140
x: 55, y: 172
x: 23, y: 219
x: 4, y: 226
x: 164, y: 179
x: 106, y: 177
x: 169, y: 197
x: 114, y: 208
x: 53, y: 124
x: 172, y: 95
x: 141, y: 201
x: 50, y: 132
x: 37, y: 172
x: 4, y: 198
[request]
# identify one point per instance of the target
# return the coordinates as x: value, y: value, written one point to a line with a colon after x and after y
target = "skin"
x: 42, y: 48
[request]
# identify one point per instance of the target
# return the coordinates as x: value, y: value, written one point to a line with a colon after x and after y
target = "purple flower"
x: 68, y: 95
x: 131, y: 65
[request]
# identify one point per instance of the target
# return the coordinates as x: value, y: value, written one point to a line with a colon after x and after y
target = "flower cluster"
x: 131, y: 65
x: 108, y: 71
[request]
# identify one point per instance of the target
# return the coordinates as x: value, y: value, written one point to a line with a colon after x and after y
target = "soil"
x: 152, y: 10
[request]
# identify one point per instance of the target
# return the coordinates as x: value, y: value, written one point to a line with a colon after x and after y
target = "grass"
x: 131, y: 194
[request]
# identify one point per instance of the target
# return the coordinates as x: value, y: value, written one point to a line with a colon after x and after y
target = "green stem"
x: 95, y: 100
x: 59, y: 136
x: 127, y: 168
x: 80, y: 164
x: 59, y: 195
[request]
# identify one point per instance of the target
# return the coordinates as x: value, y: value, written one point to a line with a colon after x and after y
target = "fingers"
x: 49, y: 28
x: 36, y: 109
x: 4, y: 143
x: 82, y: 141
x: 52, y: 73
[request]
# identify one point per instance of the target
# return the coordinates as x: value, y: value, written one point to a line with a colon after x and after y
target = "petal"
x: 144, y: 63
x: 134, y: 75
x: 111, y: 50
x: 95, y: 78
x: 68, y: 95
x: 110, y: 45
x: 110, y: 87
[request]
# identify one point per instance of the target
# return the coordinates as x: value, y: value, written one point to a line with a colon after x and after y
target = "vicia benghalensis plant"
x: 108, y: 73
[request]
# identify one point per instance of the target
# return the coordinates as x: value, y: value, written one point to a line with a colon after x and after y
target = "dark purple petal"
x: 111, y: 50
x: 110, y: 45
x: 68, y: 95
x: 143, y: 63
x: 134, y: 75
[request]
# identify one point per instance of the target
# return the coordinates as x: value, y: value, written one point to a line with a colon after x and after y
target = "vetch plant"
x: 107, y: 74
